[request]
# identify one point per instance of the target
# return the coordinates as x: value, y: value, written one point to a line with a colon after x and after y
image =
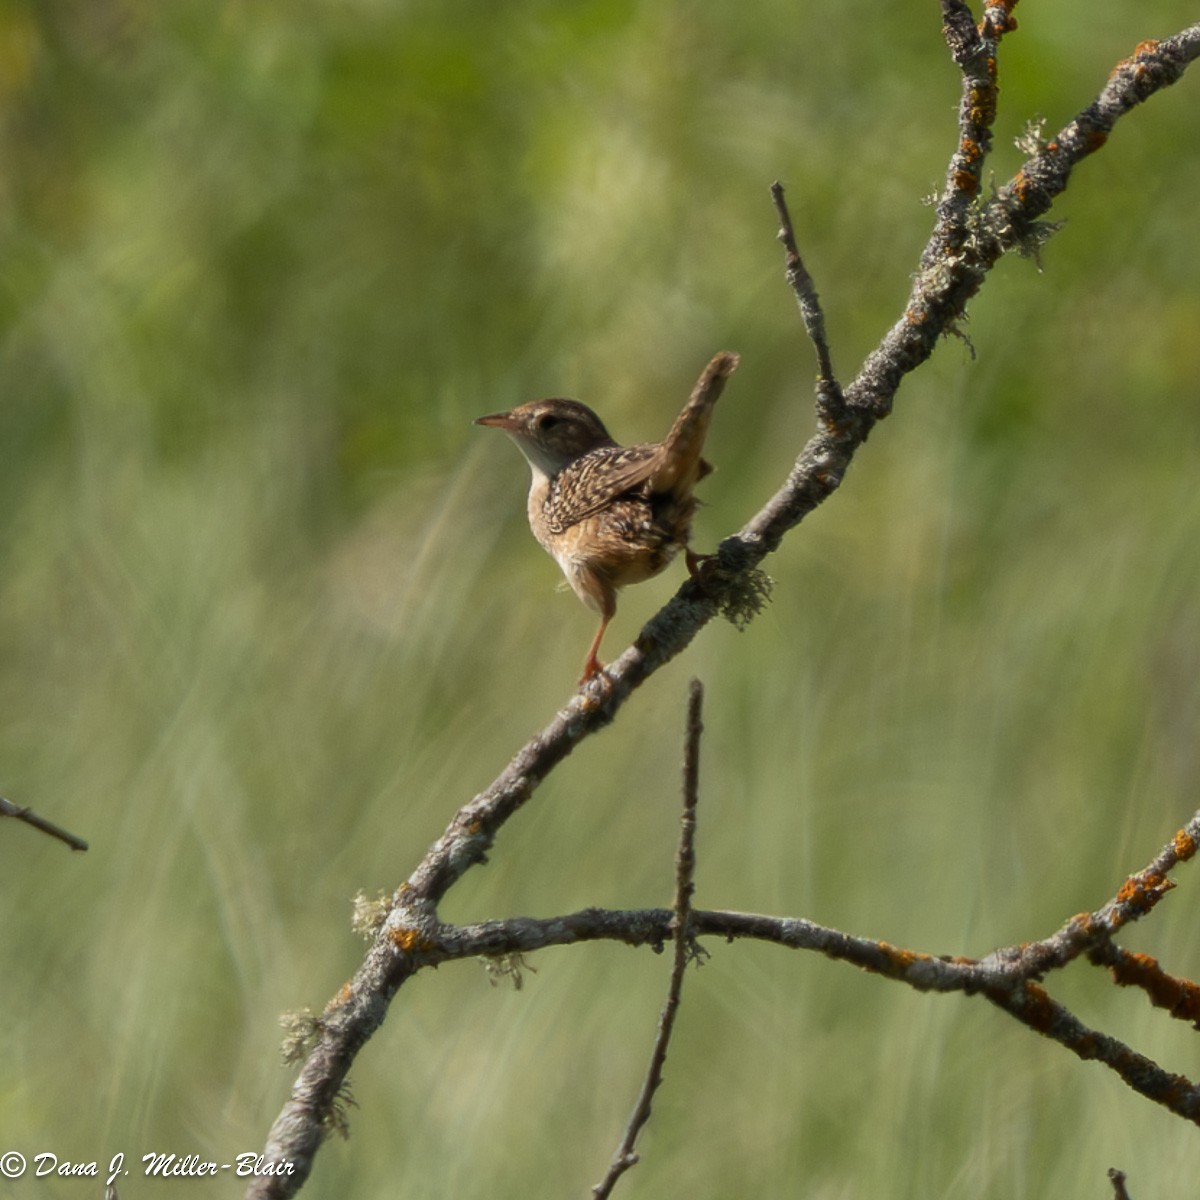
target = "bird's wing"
x: 589, y: 483
x: 671, y: 466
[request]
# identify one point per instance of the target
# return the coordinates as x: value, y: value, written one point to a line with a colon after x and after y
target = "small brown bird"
x: 610, y: 515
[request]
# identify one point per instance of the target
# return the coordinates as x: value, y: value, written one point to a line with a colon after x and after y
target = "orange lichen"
x: 899, y: 959
x: 1141, y: 892
x: 981, y: 107
x: 1142, y: 48
x: 343, y: 996
x: 998, y: 19
x: 408, y: 939
x: 1022, y: 185
x: 1129, y: 890
x: 1134, y: 965
x: 965, y: 181
x: 970, y: 150
x: 1038, y: 1011
x: 1180, y: 997
x: 1184, y: 845
x: 1084, y: 923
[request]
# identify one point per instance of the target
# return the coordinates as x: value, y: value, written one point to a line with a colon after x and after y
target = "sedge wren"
x: 610, y: 515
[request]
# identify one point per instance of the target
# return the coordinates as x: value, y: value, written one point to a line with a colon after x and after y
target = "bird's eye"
x: 547, y: 421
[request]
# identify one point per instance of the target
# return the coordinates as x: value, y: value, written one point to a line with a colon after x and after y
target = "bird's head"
x: 551, y: 433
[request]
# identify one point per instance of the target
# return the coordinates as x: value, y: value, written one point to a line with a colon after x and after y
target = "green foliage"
x: 266, y: 593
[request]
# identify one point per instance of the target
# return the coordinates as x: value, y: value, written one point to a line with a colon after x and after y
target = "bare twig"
x: 938, y: 298
x: 1117, y: 1179
x: 9, y: 809
x: 685, y: 869
x: 829, y: 393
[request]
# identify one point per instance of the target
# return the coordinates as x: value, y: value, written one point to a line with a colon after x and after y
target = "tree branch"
x: 965, y: 244
x: 1008, y: 977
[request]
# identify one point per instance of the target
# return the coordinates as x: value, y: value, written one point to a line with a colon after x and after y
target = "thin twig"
x: 801, y: 283
x: 1117, y: 1178
x: 681, y: 935
x: 9, y: 809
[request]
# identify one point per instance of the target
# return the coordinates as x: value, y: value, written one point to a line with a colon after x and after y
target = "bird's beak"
x: 502, y: 420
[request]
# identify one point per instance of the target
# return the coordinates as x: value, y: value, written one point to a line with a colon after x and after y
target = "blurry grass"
x: 270, y: 611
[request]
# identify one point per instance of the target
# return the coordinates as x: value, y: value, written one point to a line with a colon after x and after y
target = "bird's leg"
x: 596, y: 590
x: 592, y: 665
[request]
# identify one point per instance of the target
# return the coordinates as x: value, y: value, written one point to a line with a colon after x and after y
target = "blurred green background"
x: 270, y: 612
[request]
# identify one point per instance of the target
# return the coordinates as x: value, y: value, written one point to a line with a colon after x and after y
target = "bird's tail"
x: 681, y: 464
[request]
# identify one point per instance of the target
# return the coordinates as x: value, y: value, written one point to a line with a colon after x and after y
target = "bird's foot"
x: 703, y: 568
x: 740, y: 595
x: 594, y: 672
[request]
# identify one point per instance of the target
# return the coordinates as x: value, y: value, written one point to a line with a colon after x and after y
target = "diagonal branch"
x: 1032, y: 1006
x: 940, y: 292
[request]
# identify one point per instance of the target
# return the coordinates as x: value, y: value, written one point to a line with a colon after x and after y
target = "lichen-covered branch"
x: 969, y: 236
x: 1011, y: 978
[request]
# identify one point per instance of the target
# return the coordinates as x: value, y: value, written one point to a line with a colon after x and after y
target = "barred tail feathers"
x: 681, y: 465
